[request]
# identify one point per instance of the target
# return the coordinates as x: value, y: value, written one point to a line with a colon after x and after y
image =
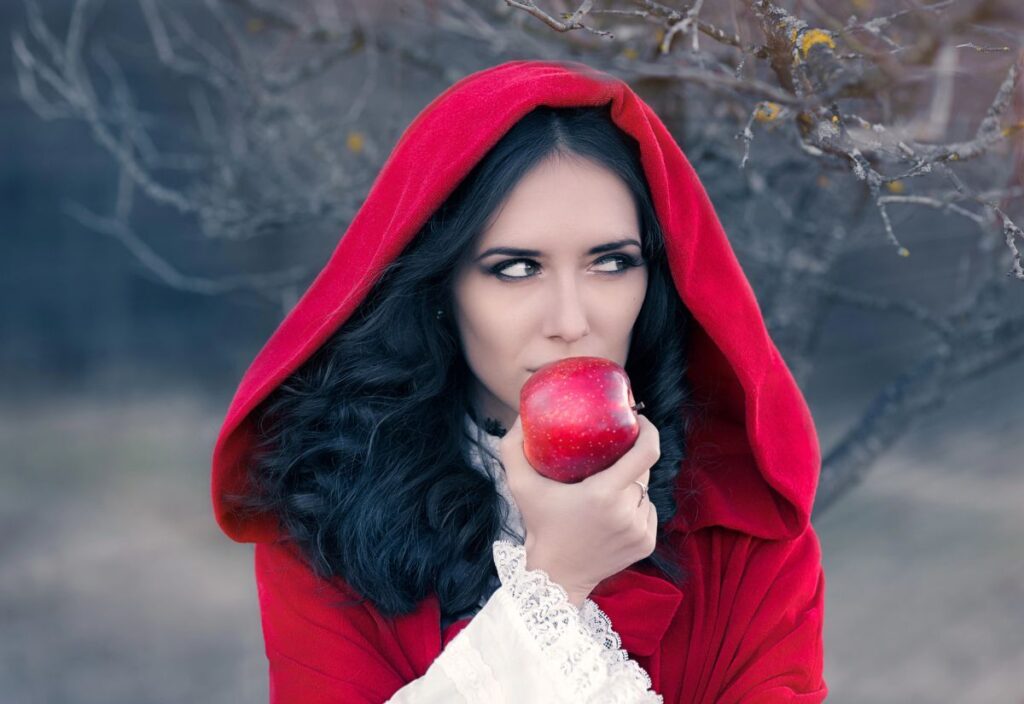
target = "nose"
x: 566, y: 314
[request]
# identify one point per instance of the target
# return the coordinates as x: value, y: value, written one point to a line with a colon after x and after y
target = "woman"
x: 405, y: 549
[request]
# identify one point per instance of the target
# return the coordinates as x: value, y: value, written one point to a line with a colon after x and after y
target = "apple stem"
x: 638, y: 407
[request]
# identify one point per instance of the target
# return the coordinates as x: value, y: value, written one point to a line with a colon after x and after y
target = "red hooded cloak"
x: 747, y: 627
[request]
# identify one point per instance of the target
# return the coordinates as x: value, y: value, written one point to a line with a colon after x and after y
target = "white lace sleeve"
x: 599, y: 626
x: 528, y: 643
x: 576, y: 648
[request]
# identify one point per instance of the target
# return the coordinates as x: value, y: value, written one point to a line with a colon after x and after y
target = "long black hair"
x: 360, y: 452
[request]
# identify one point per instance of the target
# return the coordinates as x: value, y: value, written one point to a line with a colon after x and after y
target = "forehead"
x: 563, y: 202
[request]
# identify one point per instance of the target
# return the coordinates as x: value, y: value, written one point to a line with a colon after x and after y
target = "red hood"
x: 754, y: 452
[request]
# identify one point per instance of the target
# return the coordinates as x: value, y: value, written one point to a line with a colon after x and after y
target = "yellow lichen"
x: 815, y: 36
x: 895, y: 186
x: 904, y: 252
x: 767, y: 111
x: 630, y: 53
x: 1007, y: 131
x: 355, y: 142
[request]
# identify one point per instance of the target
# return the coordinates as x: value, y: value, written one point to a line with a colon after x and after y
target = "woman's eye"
x: 502, y: 269
x: 621, y: 263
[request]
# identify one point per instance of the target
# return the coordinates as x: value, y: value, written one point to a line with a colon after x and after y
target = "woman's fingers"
x: 519, y: 473
x: 614, y: 482
x: 635, y: 465
x: 511, y: 446
x: 652, y: 527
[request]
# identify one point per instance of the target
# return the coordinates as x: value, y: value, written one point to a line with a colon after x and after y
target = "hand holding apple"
x: 582, y: 533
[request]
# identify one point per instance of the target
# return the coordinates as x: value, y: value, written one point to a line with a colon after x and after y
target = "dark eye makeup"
x: 627, y: 261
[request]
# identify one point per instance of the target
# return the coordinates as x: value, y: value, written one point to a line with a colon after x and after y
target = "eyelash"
x: 628, y: 261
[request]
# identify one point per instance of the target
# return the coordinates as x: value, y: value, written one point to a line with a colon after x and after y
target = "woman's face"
x: 516, y: 311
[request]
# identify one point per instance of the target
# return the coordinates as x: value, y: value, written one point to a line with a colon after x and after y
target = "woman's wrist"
x: 577, y: 600
x: 576, y: 595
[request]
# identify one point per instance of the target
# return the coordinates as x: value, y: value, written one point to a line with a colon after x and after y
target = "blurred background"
x: 173, y: 175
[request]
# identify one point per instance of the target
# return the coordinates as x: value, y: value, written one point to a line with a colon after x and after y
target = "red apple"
x: 578, y: 417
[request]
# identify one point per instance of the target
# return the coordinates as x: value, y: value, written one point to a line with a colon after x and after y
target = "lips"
x: 545, y: 364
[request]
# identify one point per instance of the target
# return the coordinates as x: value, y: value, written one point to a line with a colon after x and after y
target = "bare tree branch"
x: 820, y: 136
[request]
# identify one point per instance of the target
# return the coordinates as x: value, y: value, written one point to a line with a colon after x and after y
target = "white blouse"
x: 527, y: 642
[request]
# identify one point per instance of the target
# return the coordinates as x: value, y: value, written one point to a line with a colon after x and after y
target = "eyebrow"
x: 515, y: 252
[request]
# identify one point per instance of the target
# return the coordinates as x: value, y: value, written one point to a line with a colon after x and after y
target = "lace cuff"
x: 599, y: 626
x: 578, y: 646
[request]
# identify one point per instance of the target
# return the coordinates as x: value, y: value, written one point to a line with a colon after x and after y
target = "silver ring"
x: 643, y: 490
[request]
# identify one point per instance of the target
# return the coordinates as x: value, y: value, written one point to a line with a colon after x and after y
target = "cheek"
x: 637, y: 295
x: 621, y: 307
x: 485, y: 336
x: 486, y: 328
